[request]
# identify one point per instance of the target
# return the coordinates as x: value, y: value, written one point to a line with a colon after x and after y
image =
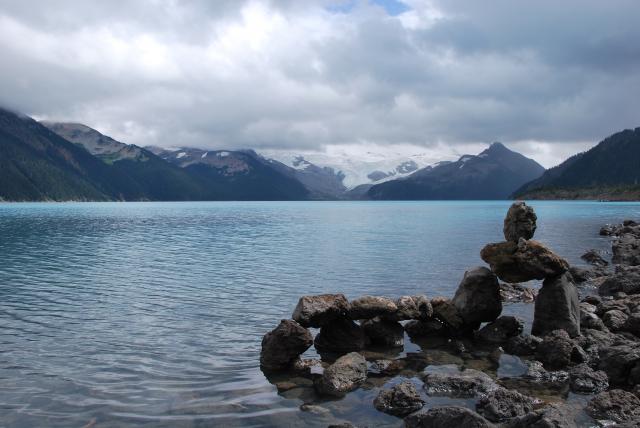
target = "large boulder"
x: 520, y: 222
x: 555, y: 350
x: 477, y: 298
x: 465, y: 384
x: 346, y: 374
x: 340, y: 336
x: 446, y: 417
x: 501, y: 330
x: 626, y: 250
x: 523, y: 261
x: 557, y: 307
x: 316, y: 311
x: 282, y: 346
x: 615, y: 405
x: 447, y: 313
x: 503, y: 404
x: 401, y: 400
x: 383, y: 332
x: 367, y: 307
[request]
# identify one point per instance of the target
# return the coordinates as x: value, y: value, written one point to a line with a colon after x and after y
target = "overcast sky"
x: 547, y: 78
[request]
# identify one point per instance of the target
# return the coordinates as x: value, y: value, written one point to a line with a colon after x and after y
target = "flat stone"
x: 367, y: 307
x: 465, y: 384
x: 316, y: 311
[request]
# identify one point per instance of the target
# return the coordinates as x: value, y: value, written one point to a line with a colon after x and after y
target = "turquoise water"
x: 152, y: 313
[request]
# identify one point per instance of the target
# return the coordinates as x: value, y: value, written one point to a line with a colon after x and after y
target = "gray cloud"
x: 303, y: 75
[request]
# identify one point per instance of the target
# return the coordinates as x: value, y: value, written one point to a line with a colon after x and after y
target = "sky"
x: 547, y: 78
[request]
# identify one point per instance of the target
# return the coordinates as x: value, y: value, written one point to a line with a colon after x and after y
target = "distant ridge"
x: 610, y: 170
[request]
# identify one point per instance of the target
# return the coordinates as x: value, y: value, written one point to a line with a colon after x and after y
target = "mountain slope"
x: 612, y: 167
x: 493, y: 174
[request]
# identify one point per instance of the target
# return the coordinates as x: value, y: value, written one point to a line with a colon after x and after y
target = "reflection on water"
x: 152, y: 313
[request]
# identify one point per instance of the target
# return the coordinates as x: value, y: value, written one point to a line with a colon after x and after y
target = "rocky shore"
x: 578, y: 366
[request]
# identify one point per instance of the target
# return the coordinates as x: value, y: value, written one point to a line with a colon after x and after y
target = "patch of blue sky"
x: 392, y: 7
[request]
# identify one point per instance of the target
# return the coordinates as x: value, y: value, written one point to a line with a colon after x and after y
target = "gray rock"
x: 345, y: 375
x: 501, y: 329
x: 446, y: 417
x: 316, y: 311
x: 282, y: 345
x: 591, y: 320
x: 384, y: 332
x: 523, y: 261
x: 448, y: 314
x: 477, y: 298
x: 367, y: 307
x: 614, y: 319
x: 632, y: 324
x: 551, y: 416
x: 520, y: 222
x: 400, y: 400
x: 432, y: 327
x: 626, y: 250
x: 626, y: 279
x: 523, y: 345
x: 618, y: 362
x: 503, y: 404
x: 584, y: 380
x: 557, y: 307
x: 537, y: 378
x: 555, y: 350
x: 340, y: 336
x: 594, y: 258
x: 615, y: 405
x: 412, y: 308
x: 465, y: 384
x: 517, y: 293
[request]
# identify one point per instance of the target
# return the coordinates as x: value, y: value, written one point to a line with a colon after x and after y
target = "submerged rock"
x: 282, y: 346
x: 501, y: 329
x: 555, y: 350
x: 557, y: 307
x: 615, y: 405
x: 520, y: 222
x: 345, y: 375
x: 594, y: 258
x: 503, y: 404
x: 316, y: 311
x: 523, y: 261
x: 468, y: 383
x: 477, y: 298
x: 367, y: 307
x: 584, y: 380
x: 447, y: 417
x: 537, y: 378
x: 400, y: 400
x: 340, y: 336
x: 384, y: 332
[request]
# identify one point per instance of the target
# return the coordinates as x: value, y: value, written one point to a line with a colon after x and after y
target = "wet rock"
x: 557, y: 307
x: 447, y: 417
x: 520, y: 222
x: 448, y: 314
x: 555, y: 350
x: 632, y: 324
x: 384, y: 332
x: 501, y: 329
x: 551, y: 416
x: 308, y: 367
x: 477, y: 298
x: 340, y: 336
x: 537, y: 378
x: 417, y: 329
x: 614, y: 320
x: 581, y: 275
x: 316, y: 311
x: 466, y: 384
x: 584, y: 380
x: 282, y: 346
x: 618, y: 362
x: 517, y: 293
x: 590, y: 320
x: 523, y: 261
x: 626, y: 279
x: 503, y: 404
x: 345, y: 375
x: 594, y: 258
x: 615, y: 405
x: 367, y: 307
x: 626, y: 250
x: 522, y: 345
x: 412, y: 308
x: 400, y: 400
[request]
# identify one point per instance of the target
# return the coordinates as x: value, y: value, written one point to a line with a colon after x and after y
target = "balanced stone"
x: 557, y: 307
x: 520, y: 222
x: 477, y: 298
x: 523, y: 261
x: 367, y: 307
x: 316, y: 311
x: 346, y: 374
x: 282, y: 346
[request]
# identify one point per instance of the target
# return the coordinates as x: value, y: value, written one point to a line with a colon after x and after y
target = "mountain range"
x: 52, y: 161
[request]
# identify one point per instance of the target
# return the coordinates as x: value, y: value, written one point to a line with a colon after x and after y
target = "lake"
x: 118, y: 314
